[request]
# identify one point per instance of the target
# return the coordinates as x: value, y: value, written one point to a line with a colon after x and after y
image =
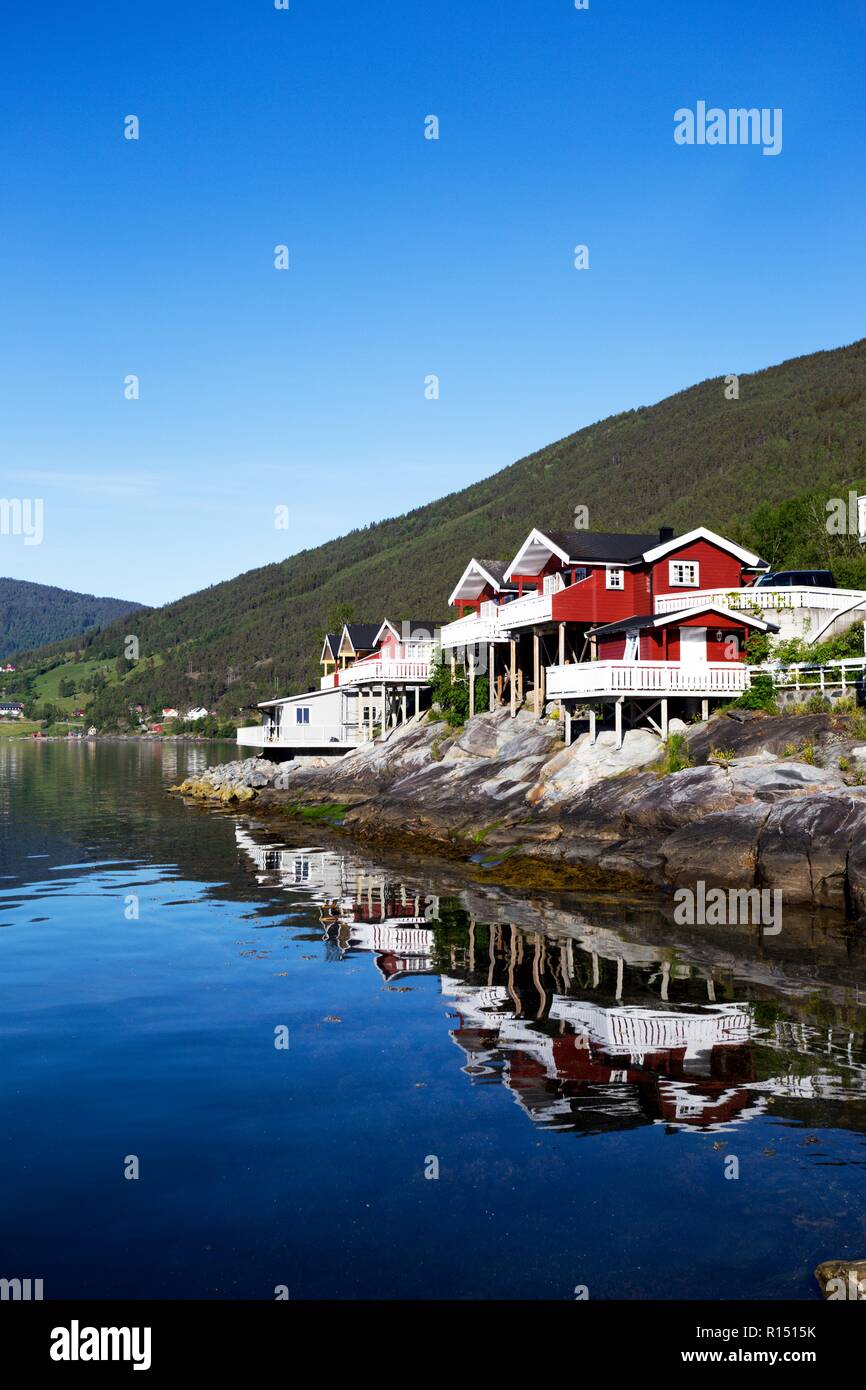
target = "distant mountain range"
x: 34, y: 614
x: 719, y: 454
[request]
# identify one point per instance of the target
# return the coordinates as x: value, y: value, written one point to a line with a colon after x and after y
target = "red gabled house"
x: 575, y: 606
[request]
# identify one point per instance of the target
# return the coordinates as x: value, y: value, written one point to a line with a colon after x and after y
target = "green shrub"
x: 675, y: 755
x: 451, y: 694
x: 760, y: 695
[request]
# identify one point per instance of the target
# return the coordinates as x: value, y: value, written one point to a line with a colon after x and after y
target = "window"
x: 302, y: 715
x: 683, y: 573
x: 632, y: 645
x: 615, y: 579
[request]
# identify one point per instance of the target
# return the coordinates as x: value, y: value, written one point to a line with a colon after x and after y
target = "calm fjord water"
x: 581, y: 1083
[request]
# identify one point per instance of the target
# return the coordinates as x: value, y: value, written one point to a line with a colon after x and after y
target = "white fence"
x: 828, y: 676
x: 767, y: 600
x: 373, y: 671
x: 595, y: 678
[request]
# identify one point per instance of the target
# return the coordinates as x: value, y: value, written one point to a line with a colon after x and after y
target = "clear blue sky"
x: 408, y: 256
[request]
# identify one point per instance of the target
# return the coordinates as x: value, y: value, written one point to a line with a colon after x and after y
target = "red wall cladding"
x: 718, y: 569
x: 591, y: 601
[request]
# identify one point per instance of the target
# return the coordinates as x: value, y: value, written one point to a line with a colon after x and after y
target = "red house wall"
x: 652, y: 640
x: 713, y: 622
x: 591, y: 601
x: 718, y: 569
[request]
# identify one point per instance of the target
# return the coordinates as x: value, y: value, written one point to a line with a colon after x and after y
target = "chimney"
x: 666, y: 533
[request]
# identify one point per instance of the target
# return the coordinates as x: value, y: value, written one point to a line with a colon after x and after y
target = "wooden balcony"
x: 610, y: 679
x: 474, y: 630
x: 376, y: 671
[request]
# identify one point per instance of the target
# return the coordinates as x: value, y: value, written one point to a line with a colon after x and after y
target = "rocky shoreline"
x: 773, y: 802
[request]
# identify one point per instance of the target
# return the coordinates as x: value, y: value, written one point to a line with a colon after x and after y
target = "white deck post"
x: 417, y: 699
x: 592, y: 723
x: 403, y: 705
x: 562, y: 644
x: 567, y: 727
x: 617, y: 715
x: 536, y: 680
x: 705, y: 709
x: 513, y: 679
x: 664, y: 718
x: 491, y: 675
x: 472, y: 683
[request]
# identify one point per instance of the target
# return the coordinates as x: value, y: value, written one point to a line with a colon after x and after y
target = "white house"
x: 332, y: 720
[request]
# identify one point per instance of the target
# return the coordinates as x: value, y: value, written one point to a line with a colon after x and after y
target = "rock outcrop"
x: 507, y: 795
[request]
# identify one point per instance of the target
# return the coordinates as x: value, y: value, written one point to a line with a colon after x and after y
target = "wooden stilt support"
x: 664, y: 729
x: 567, y: 728
x: 512, y: 683
x: 491, y: 675
x: 472, y: 683
x: 592, y: 724
x: 617, y: 716
x: 705, y: 709
x: 562, y: 644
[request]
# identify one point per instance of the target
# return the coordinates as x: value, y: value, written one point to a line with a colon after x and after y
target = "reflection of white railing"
x: 645, y: 678
x: 769, y: 600
x: 637, y: 1030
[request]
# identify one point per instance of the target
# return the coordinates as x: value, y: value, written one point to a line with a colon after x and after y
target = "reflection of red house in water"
x: 611, y: 1068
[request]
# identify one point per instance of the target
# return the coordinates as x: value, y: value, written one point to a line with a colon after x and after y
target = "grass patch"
x: 479, y: 836
x: 329, y: 813
x: 675, y: 755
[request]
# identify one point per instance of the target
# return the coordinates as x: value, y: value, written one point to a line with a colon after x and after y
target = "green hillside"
x: 695, y: 458
x: 34, y: 614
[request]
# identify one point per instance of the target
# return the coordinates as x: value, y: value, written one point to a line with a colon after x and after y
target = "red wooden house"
x: 577, y: 606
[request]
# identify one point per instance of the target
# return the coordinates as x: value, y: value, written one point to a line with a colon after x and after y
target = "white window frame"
x: 614, y: 577
x: 631, y: 651
x: 302, y: 714
x: 677, y: 574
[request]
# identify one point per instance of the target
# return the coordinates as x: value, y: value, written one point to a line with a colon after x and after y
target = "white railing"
x: 532, y: 608
x: 843, y: 673
x: 374, y: 670
x: 253, y: 736
x: 595, y: 678
x: 767, y: 600
x: 552, y: 584
x: 473, y: 629
x: 298, y: 736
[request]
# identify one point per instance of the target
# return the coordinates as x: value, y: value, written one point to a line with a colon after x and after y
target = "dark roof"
x: 415, y: 625
x: 496, y: 569
x: 603, y: 545
x: 643, y: 620
x: 332, y: 640
x: 362, y: 635
x: 648, y: 620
